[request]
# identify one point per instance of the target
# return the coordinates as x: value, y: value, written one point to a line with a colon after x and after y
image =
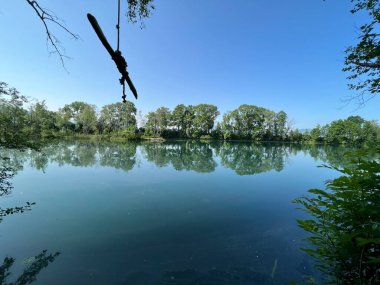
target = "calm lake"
x: 163, y: 213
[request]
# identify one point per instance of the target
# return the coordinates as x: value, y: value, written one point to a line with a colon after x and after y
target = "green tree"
x: 363, y: 59
x: 118, y: 116
x: 178, y: 118
x: 80, y: 115
x: 63, y: 120
x: 227, y: 125
x: 280, y: 121
x: 204, y: 118
x: 249, y: 122
x: 158, y: 121
x: 13, y: 118
x: 41, y: 121
x: 87, y: 119
x: 354, y: 131
x: 189, y: 121
x: 316, y: 134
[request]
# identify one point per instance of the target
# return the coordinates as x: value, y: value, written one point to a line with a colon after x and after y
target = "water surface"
x: 163, y: 213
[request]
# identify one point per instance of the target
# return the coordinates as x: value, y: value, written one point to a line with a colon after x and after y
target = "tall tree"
x: 178, y: 117
x: 280, y: 125
x: 189, y: 121
x: 158, y: 121
x: 40, y: 119
x: 205, y: 115
x: 87, y: 119
x: 246, y: 122
x: 12, y: 117
x: 80, y: 114
x: 117, y: 116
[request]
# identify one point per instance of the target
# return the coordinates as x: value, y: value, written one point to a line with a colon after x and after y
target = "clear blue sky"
x: 280, y: 54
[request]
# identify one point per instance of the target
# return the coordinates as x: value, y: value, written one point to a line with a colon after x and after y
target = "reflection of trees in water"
x: 34, y: 265
x: 247, y: 159
x: 12, y: 161
x: 182, y: 156
x: 243, y: 158
x: 79, y: 153
x: 119, y: 156
x: 328, y: 154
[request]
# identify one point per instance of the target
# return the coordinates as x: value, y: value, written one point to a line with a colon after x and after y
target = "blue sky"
x: 280, y: 54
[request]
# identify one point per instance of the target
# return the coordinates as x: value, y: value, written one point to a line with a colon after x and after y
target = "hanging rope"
x: 122, y: 81
x: 116, y: 55
x: 118, y: 25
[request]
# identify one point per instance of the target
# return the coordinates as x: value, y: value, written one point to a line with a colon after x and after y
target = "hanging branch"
x: 47, y: 16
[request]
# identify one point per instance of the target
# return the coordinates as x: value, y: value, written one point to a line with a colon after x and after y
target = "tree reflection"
x: 9, y: 165
x: 248, y: 159
x: 118, y: 156
x: 86, y: 154
x: 243, y: 158
x: 78, y: 153
x: 8, y: 168
x: 328, y: 154
x: 33, y: 268
x: 188, y: 155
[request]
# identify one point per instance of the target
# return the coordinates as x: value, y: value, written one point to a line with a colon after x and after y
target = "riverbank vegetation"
x: 21, y: 122
x: 345, y: 226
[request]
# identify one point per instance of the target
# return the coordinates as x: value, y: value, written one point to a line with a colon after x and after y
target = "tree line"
x: 20, y: 119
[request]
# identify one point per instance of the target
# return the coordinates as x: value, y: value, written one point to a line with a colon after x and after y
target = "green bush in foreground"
x: 345, y: 229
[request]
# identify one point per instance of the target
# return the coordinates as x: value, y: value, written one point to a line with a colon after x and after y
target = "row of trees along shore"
x: 119, y: 121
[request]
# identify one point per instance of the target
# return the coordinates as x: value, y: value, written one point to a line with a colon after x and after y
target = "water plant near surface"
x: 345, y: 224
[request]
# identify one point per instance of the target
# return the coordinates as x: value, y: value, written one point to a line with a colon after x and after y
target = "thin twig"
x: 45, y: 16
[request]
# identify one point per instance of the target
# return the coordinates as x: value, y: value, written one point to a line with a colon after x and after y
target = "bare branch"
x: 48, y: 16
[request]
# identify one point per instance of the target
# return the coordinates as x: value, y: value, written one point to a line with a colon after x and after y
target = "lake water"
x: 163, y: 213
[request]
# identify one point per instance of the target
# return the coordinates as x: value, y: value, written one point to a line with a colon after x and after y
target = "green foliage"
x: 250, y: 122
x: 352, y: 131
x: 204, y: 118
x: 345, y: 229
x: 158, y: 121
x: 12, y: 118
x: 117, y: 116
x: 139, y: 9
x: 118, y: 121
x: 40, y: 121
x: 79, y: 117
x: 178, y: 118
x: 363, y: 60
x: 124, y: 134
x: 316, y: 134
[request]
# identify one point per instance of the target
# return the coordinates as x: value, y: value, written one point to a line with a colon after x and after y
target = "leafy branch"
x: 363, y: 60
x: 345, y: 229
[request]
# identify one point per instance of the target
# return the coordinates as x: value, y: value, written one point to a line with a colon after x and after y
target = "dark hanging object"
x: 115, y: 54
